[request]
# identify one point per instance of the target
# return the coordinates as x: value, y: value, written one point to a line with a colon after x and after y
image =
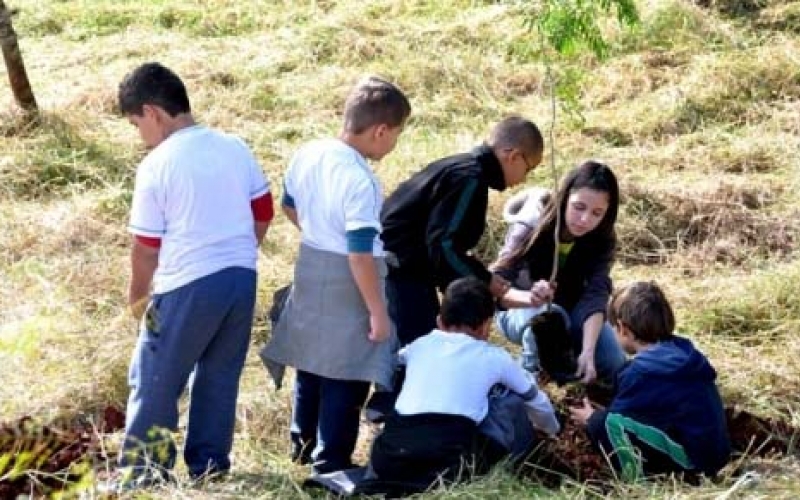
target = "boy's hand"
x: 581, y: 414
x: 380, y: 327
x: 138, y: 305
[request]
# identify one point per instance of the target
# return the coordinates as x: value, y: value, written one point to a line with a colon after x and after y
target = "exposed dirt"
x: 46, y: 458
x: 54, y: 450
x: 569, y: 457
x: 760, y: 436
x: 572, y: 457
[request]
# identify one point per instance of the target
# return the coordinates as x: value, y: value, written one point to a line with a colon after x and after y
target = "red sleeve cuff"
x: 149, y: 242
x: 262, y: 208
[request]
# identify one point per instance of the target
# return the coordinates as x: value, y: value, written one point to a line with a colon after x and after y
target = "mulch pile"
x: 38, y: 459
x: 572, y: 457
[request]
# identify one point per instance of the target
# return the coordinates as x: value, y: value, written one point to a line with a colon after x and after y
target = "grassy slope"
x: 697, y: 111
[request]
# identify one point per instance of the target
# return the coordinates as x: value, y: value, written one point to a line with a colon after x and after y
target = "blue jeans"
x: 514, y: 324
x: 325, y: 420
x: 202, y: 328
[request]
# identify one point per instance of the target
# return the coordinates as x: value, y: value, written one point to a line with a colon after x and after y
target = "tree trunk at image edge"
x: 17, y: 76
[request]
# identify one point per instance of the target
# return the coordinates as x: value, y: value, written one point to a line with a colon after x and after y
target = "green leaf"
x: 566, y: 25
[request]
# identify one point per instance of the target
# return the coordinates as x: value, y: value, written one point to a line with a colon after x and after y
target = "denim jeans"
x: 203, y: 329
x: 325, y: 420
x: 514, y: 325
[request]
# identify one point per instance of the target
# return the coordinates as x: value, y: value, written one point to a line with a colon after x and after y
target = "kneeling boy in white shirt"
x: 434, y: 433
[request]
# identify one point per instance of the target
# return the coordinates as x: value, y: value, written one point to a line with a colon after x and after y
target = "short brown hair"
x: 515, y: 132
x: 375, y: 101
x: 643, y: 308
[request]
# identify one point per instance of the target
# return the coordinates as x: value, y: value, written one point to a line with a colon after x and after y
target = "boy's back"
x: 452, y: 373
x: 417, y: 215
x: 334, y: 328
x: 667, y: 415
x: 436, y: 433
x: 194, y: 190
x: 334, y: 191
x: 671, y: 386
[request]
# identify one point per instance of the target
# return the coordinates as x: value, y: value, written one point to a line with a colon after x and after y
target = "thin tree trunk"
x: 20, y: 85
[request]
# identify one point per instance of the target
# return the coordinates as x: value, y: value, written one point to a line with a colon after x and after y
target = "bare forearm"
x: 515, y: 298
x: 365, y: 273
x: 144, y: 261
x: 591, y: 331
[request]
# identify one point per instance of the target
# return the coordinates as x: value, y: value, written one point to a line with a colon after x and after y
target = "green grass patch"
x: 58, y: 157
x: 758, y: 307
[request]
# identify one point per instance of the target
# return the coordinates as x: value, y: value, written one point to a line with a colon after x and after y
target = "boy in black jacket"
x: 432, y: 221
x: 667, y: 415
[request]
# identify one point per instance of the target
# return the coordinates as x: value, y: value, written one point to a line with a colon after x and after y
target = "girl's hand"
x: 586, y: 369
x: 541, y: 293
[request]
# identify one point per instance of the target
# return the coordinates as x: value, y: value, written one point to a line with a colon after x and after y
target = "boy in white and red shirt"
x: 201, y: 207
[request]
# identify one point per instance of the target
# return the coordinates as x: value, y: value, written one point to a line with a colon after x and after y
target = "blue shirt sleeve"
x: 286, y: 199
x: 361, y: 240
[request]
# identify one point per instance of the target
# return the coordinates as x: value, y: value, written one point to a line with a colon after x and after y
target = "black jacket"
x: 436, y: 217
x: 583, y: 284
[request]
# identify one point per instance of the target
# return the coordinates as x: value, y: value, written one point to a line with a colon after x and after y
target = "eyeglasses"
x: 528, y: 166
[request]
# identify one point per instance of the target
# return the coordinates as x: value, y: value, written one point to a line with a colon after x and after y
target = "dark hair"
x: 517, y: 132
x: 375, y: 101
x: 590, y: 174
x: 644, y: 309
x: 467, y: 302
x: 155, y: 84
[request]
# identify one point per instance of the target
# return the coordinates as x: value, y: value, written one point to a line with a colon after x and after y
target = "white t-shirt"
x: 334, y: 191
x: 452, y: 373
x: 193, y: 191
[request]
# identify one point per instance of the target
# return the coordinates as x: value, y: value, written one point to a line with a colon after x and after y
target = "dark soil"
x: 571, y: 456
x: 760, y: 436
x: 57, y: 447
x: 44, y: 458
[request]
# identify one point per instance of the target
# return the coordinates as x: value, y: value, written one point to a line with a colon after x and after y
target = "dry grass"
x: 727, y: 223
x: 697, y: 111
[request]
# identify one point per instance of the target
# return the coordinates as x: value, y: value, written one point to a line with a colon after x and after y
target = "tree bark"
x: 20, y: 85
